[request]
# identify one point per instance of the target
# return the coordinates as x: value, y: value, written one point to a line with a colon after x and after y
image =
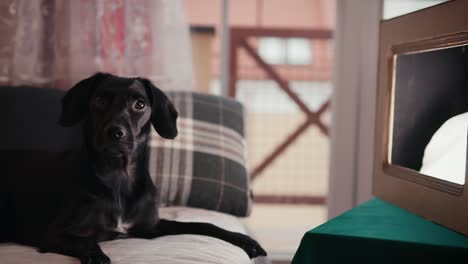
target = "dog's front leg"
x: 168, y: 227
x: 86, y: 249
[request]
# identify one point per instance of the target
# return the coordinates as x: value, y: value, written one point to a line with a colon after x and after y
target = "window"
x: 287, y: 51
x: 394, y: 8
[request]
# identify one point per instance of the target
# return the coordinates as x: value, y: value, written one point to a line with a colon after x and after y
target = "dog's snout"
x: 116, y: 132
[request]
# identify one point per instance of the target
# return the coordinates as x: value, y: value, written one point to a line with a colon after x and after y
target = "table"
x: 379, y: 232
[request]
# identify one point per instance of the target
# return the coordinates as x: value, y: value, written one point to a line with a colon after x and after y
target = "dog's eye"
x: 139, y: 104
x: 99, y: 101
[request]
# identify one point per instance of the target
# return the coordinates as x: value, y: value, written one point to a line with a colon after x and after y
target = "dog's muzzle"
x: 115, y: 139
x: 116, y: 133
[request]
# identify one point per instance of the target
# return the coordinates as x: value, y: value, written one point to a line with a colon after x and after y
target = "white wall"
x: 354, y: 97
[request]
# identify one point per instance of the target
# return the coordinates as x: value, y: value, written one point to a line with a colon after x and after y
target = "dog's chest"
x: 122, y: 226
x: 122, y: 222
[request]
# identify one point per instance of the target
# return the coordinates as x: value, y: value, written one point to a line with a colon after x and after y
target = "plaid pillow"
x: 205, y: 165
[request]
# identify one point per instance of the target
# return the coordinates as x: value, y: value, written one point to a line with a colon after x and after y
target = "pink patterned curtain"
x: 56, y: 42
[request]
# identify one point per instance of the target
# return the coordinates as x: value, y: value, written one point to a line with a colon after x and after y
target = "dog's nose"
x: 116, y: 133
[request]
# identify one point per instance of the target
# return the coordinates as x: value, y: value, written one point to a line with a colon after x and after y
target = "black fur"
x: 68, y: 202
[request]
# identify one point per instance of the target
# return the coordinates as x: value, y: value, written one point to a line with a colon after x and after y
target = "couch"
x: 201, y: 175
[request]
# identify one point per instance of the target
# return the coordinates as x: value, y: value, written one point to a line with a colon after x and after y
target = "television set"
x: 422, y: 114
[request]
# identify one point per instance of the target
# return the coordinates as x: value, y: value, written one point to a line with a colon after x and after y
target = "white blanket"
x: 183, y: 249
x: 445, y: 155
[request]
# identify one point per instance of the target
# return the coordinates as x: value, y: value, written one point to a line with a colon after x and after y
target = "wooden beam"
x: 283, y: 84
x: 246, y: 32
x: 279, y: 149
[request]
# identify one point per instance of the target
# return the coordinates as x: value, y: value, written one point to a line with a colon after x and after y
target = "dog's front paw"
x: 249, y: 245
x: 97, y: 258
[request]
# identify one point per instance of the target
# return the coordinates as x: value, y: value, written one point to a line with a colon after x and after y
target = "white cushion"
x: 183, y: 249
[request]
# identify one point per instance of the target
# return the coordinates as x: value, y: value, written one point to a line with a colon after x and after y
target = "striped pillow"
x: 205, y: 165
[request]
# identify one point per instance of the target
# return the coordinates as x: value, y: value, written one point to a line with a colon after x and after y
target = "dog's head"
x: 119, y: 111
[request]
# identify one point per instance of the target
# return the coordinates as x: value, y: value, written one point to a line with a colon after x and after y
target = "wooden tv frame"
x: 442, y: 26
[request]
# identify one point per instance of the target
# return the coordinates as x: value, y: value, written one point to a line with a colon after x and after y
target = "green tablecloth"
x: 379, y: 232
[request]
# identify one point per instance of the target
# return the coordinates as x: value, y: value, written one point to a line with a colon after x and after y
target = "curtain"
x: 57, y: 42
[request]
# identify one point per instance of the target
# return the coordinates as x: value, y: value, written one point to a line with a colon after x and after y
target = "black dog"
x: 104, y: 192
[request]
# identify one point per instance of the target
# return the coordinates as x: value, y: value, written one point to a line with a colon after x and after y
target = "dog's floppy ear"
x: 163, y: 113
x: 75, y: 102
